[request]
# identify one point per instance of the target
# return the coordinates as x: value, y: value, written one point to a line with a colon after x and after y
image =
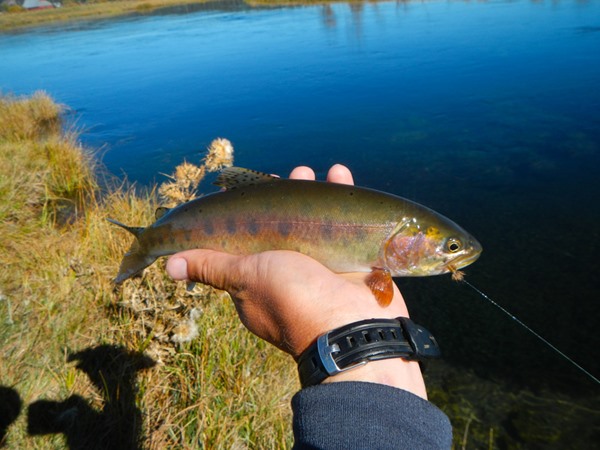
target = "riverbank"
x: 18, y: 19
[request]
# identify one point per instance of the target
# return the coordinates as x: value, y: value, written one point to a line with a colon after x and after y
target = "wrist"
x: 396, y: 372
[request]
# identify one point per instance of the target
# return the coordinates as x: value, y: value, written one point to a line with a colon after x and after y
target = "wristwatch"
x: 357, y: 343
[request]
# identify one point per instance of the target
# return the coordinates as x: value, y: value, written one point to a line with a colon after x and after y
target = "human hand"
x: 289, y: 299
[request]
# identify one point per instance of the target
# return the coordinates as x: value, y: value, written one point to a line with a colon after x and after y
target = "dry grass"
x: 41, y: 166
x: 148, y: 365
x: 29, y: 118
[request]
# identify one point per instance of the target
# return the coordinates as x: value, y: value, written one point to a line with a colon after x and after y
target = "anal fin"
x: 381, y: 285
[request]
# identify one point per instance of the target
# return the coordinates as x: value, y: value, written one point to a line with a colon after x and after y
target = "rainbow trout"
x: 346, y: 228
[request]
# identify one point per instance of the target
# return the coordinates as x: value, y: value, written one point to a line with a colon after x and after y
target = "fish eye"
x: 453, y: 245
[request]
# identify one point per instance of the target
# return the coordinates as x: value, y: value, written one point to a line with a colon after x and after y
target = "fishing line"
x: 520, y: 322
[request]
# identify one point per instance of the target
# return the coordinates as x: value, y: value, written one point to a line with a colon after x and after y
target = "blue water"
x: 488, y: 112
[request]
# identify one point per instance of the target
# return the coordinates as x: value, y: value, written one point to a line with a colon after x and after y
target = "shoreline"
x: 26, y: 20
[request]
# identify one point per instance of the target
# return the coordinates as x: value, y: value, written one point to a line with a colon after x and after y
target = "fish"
x: 346, y: 228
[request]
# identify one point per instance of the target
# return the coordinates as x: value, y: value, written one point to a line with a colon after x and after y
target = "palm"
x: 305, y: 300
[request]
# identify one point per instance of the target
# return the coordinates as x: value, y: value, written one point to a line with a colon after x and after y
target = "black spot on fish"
x: 230, y: 225
x: 284, y: 228
x: 351, y: 193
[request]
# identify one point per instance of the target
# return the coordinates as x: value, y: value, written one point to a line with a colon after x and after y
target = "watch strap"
x: 357, y: 343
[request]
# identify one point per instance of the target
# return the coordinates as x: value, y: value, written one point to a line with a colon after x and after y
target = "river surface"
x: 488, y: 112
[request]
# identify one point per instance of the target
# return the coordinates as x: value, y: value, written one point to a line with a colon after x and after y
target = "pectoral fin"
x: 381, y: 285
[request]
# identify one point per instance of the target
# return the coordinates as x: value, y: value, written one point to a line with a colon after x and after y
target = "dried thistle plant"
x: 220, y: 155
x: 183, y: 186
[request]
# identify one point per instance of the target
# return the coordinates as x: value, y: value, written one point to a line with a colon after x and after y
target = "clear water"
x: 488, y: 112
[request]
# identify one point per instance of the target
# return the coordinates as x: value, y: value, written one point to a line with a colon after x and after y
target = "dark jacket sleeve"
x: 356, y: 415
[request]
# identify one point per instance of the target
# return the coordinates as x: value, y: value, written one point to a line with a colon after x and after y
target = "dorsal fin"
x: 136, y: 231
x: 234, y: 177
x: 161, y: 211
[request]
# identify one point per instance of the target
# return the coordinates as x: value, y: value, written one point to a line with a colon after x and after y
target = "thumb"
x: 205, y: 266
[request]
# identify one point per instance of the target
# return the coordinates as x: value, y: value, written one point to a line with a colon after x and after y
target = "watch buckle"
x: 326, y: 351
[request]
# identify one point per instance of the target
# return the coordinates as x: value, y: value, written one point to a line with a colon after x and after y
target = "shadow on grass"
x: 10, y: 408
x: 118, y: 425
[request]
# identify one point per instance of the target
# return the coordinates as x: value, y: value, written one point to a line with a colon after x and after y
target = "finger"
x: 340, y: 174
x: 218, y: 269
x: 302, y: 173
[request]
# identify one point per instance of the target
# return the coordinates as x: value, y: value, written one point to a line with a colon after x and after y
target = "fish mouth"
x: 468, y: 257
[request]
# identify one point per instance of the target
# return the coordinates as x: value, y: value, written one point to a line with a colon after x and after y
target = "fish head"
x: 432, y: 245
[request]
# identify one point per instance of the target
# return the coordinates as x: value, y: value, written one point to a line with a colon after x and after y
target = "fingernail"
x: 177, y: 268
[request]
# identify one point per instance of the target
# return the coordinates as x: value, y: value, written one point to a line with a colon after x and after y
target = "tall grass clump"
x: 29, y: 118
x: 43, y: 168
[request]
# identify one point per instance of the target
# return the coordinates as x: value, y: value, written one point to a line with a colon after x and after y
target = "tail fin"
x: 136, y: 259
